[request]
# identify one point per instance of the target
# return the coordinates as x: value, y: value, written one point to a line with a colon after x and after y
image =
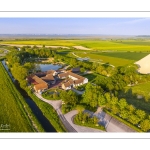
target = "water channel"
x: 35, y: 109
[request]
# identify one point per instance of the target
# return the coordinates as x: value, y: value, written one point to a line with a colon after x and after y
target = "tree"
x: 124, y: 114
x: 115, y: 109
x: 141, y: 114
x: 131, y: 108
x: 82, y: 70
x: 122, y: 103
x: 95, y: 120
x: 70, y: 98
x: 108, y: 97
x: 114, y: 100
x: 91, y: 94
x: 145, y: 125
x: 133, y: 119
x: 101, y: 100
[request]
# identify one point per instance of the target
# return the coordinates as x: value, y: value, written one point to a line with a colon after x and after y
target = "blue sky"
x: 107, y: 26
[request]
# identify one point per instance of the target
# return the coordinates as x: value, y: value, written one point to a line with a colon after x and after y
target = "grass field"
x: 1, y: 51
x: 131, y: 94
x: 91, y: 76
x: 12, y: 111
x: 106, y: 59
x: 142, y: 89
x: 94, y: 44
x: 125, y: 55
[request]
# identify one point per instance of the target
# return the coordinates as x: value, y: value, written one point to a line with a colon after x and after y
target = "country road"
x: 56, y: 105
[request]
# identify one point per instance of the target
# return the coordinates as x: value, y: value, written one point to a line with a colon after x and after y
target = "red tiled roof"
x: 37, y: 79
x: 63, y: 75
x: 79, y: 81
x: 75, y: 75
x: 67, y: 84
x: 50, y: 71
x: 41, y: 86
x: 48, y: 77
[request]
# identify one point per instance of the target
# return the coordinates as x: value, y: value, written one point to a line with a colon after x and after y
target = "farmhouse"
x: 74, y: 80
x: 43, y: 80
x: 49, y: 79
x: 40, y: 85
x: 63, y: 75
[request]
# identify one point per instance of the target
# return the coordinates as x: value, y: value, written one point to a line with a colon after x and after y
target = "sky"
x: 104, y: 26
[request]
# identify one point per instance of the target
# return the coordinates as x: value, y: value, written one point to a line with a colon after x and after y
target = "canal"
x: 35, y: 109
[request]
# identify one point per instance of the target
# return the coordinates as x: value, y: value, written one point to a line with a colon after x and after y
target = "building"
x: 72, y: 80
x: 42, y: 80
x: 40, y: 85
x: 49, y: 79
x: 76, y: 70
x: 53, y: 72
x: 63, y: 75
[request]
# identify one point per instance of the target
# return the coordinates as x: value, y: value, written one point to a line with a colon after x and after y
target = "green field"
x: 131, y: 93
x: 142, y: 89
x: 1, y: 51
x: 125, y: 55
x: 106, y: 59
x: 94, y: 44
x: 12, y: 112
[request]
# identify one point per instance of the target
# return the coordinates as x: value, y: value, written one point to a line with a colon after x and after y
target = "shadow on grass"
x: 140, y: 103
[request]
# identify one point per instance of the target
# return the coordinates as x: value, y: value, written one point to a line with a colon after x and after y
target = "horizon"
x: 75, y: 26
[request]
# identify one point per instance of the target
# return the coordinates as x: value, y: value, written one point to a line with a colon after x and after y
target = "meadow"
x: 106, y: 59
x: 141, y: 89
x: 125, y: 55
x: 93, y: 44
x: 12, y: 110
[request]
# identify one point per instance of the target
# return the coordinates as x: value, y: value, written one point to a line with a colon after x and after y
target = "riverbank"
x: 38, y: 120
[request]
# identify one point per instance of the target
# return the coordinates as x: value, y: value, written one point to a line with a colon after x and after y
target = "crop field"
x: 106, y: 59
x: 94, y: 44
x: 125, y: 55
x: 12, y: 112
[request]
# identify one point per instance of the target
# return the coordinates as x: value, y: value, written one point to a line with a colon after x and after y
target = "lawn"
x: 131, y: 93
x: 12, y: 110
x: 1, y: 51
x: 94, y: 44
x: 91, y: 76
x: 142, y: 89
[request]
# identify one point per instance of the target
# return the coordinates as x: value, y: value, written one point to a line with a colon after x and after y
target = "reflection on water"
x: 45, y: 67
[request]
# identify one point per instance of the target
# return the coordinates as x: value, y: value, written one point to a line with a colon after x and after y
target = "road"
x: 111, y: 124
x: 78, y: 92
x: 67, y: 119
x: 56, y: 105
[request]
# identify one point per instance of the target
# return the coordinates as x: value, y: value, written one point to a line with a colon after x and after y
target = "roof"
x: 71, y: 81
x: 76, y: 69
x: 79, y: 81
x: 48, y: 77
x: 50, y: 71
x: 63, y: 75
x: 67, y: 84
x: 40, y: 74
x: 75, y: 75
x: 37, y: 79
x: 41, y: 86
